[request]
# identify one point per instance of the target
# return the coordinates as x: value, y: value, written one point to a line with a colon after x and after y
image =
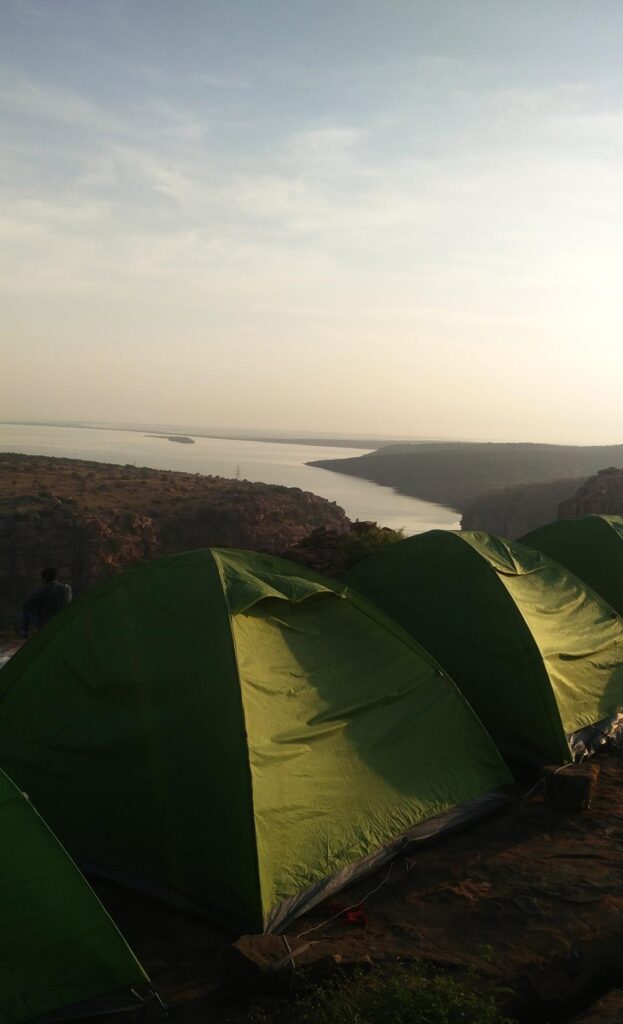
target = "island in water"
x: 179, y: 438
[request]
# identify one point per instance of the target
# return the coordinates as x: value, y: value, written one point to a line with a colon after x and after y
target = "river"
x: 268, y: 462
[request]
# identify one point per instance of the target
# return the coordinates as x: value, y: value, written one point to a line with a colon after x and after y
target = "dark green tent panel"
x: 538, y: 655
x: 58, y: 947
x: 236, y: 732
x: 591, y: 547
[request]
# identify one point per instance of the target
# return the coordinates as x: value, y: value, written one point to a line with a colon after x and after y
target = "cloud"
x: 443, y: 231
x: 221, y: 81
x: 23, y: 96
x: 319, y: 144
x: 141, y: 168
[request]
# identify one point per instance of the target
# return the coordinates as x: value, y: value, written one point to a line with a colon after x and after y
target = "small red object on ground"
x: 352, y: 915
x: 357, y: 916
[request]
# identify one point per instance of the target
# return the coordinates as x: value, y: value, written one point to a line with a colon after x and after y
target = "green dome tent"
x: 60, y: 953
x: 537, y: 654
x: 238, y: 734
x: 591, y: 547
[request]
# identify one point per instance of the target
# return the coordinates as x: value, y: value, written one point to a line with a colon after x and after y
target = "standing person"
x: 45, y: 602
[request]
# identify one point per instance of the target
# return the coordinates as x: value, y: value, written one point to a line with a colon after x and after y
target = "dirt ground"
x: 531, y: 900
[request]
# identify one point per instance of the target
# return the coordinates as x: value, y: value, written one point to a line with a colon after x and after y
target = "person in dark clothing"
x: 45, y: 602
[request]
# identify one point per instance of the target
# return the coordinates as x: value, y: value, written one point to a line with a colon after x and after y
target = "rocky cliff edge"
x: 92, y: 520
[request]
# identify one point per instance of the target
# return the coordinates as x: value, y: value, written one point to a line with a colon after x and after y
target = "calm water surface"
x: 263, y: 461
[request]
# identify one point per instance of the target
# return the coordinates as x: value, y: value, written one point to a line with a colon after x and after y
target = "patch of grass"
x: 398, y: 994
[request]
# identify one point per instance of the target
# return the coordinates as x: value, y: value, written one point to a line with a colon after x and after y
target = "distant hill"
x: 93, y: 520
x: 455, y: 474
x: 174, y: 433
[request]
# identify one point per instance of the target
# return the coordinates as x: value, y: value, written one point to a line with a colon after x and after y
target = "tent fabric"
x: 232, y: 731
x: 58, y: 946
x: 536, y: 653
x: 591, y: 547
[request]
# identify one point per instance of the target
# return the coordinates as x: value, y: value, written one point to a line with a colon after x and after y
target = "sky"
x: 379, y: 217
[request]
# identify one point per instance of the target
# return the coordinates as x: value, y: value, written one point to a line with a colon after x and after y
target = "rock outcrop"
x: 93, y: 520
x: 513, y: 511
x: 601, y: 494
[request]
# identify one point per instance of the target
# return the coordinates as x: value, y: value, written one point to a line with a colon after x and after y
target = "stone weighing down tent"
x: 537, y: 654
x: 238, y: 734
x: 60, y: 953
x: 591, y: 547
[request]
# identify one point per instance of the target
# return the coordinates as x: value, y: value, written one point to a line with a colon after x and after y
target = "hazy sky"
x: 400, y: 217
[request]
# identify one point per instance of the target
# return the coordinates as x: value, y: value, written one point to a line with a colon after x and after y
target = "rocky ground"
x: 530, y: 901
x: 92, y: 520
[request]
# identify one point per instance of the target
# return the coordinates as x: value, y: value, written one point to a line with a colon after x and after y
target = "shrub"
x: 358, y: 544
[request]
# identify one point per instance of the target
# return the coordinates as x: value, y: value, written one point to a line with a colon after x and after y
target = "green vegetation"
x: 398, y: 994
x: 358, y: 544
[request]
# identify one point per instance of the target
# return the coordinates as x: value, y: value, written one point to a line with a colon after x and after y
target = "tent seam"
x: 528, y: 643
x: 243, y: 722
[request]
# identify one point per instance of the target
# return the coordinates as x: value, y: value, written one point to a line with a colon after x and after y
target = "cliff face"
x: 514, y: 511
x: 602, y: 494
x: 91, y: 520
